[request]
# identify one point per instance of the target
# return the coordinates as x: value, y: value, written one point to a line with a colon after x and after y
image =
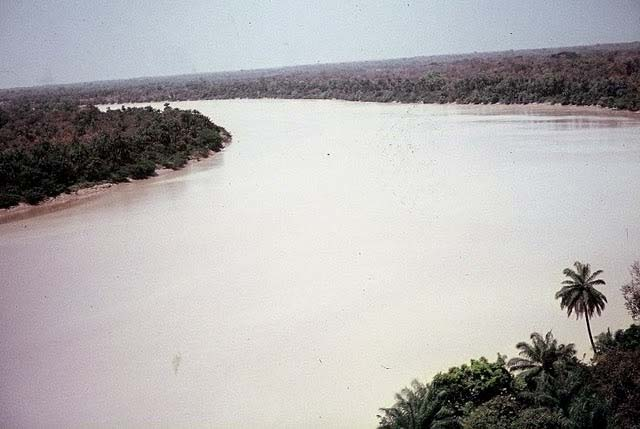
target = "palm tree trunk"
x: 586, y: 316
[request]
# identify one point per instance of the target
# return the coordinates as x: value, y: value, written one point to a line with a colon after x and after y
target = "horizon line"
x: 310, y: 65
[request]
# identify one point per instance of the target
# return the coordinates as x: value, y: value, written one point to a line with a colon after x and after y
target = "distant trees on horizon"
x: 607, y: 76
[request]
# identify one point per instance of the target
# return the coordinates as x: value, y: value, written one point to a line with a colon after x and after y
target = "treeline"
x: 546, y: 386
x: 48, y: 149
x: 607, y: 75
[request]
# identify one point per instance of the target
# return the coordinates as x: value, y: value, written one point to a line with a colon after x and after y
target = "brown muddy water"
x: 331, y: 254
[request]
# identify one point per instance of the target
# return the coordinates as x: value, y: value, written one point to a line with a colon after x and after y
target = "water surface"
x: 298, y: 279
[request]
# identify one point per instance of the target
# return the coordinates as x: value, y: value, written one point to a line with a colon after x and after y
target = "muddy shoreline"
x: 63, y: 201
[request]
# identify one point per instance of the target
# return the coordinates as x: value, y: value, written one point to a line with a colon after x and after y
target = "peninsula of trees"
x: 48, y: 149
x: 599, y: 75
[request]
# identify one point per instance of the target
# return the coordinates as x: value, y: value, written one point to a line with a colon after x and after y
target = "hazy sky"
x: 70, y: 41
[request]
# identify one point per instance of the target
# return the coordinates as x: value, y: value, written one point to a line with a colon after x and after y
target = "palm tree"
x: 542, y: 356
x: 417, y: 407
x: 579, y: 294
x: 554, y: 379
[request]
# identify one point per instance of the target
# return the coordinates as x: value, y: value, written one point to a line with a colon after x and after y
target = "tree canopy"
x: 602, y: 75
x: 569, y: 394
x: 48, y: 149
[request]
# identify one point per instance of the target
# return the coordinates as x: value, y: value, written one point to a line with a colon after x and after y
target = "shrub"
x: 34, y: 196
x: 176, y: 161
x: 497, y: 413
x: 539, y: 418
x: 143, y: 169
x: 8, y: 200
x: 120, y: 175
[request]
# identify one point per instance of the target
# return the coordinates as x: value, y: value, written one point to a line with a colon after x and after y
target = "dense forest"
x: 602, y: 75
x: 48, y: 149
x: 546, y: 386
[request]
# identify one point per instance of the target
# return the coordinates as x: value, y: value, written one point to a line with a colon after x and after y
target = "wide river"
x: 327, y: 257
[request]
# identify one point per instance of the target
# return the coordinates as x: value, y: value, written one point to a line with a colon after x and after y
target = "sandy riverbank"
x: 535, y: 107
x: 63, y: 201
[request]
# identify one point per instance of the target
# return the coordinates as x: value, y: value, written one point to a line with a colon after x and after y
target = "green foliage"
x: 552, y: 389
x: 142, y: 169
x: 617, y: 381
x: 623, y: 339
x: 449, y: 397
x: 539, y: 418
x: 177, y: 161
x: 631, y: 292
x: 579, y: 295
x: 47, y: 149
x: 466, y: 386
x: 497, y: 413
x: 607, y: 76
x: 555, y: 382
x: 34, y: 195
x: 416, y: 407
x: 566, y: 393
x: 560, y: 392
x: 543, y: 356
x: 7, y: 200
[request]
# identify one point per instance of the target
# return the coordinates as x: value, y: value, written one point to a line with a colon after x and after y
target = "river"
x: 333, y: 252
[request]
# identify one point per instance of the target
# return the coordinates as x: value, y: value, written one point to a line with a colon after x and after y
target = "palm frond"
x: 594, y: 275
x: 520, y: 364
x: 572, y: 274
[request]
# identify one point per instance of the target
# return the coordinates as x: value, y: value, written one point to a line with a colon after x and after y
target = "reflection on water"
x: 570, y: 122
x: 298, y: 279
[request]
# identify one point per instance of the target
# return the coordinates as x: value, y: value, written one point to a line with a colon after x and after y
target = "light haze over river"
x: 331, y: 254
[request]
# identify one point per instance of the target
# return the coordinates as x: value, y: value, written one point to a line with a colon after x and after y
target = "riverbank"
x: 535, y: 107
x: 47, y: 150
x: 63, y: 201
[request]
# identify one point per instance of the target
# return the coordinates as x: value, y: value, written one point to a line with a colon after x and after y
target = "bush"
x: 176, y: 161
x: 617, y: 376
x: 9, y: 200
x: 34, y: 196
x: 120, y: 175
x: 143, y: 169
x: 539, y: 418
x: 497, y: 413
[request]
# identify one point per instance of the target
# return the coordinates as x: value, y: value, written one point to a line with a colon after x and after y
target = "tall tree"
x: 579, y: 295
